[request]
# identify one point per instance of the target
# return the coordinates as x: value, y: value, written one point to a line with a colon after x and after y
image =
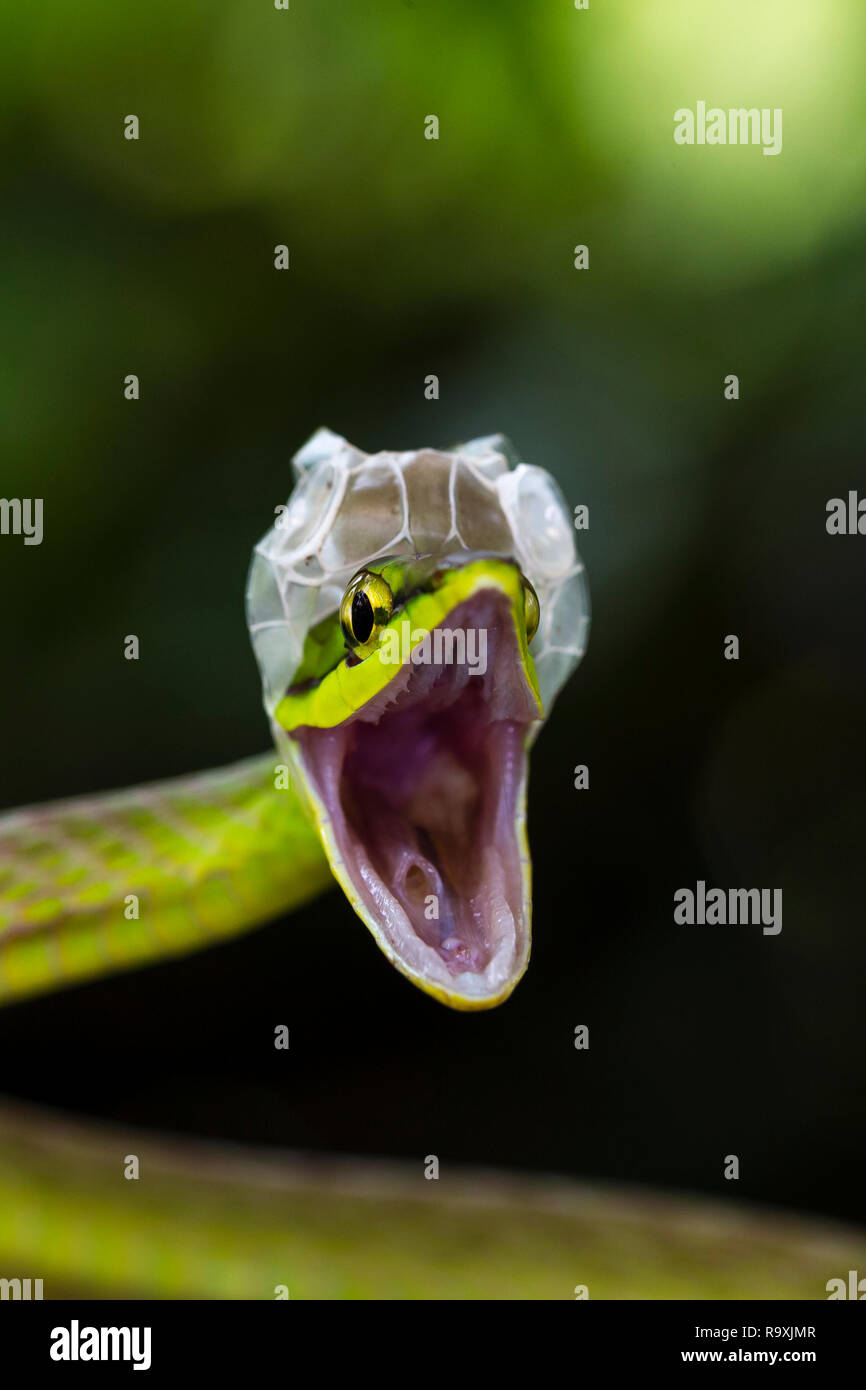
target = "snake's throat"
x: 420, y: 798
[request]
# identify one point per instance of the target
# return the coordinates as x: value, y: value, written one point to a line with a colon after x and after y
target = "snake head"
x: 405, y: 685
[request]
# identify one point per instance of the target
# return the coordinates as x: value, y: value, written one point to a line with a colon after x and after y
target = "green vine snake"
x: 413, y: 615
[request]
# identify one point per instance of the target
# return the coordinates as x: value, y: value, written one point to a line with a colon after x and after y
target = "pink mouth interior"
x: 424, y: 790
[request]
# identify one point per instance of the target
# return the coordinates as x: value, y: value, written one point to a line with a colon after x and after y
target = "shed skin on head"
x: 386, y: 777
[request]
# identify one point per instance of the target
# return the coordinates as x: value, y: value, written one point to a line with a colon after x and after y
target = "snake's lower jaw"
x: 420, y: 801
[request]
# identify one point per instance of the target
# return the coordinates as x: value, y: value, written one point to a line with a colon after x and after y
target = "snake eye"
x: 365, y: 608
x: 531, y: 608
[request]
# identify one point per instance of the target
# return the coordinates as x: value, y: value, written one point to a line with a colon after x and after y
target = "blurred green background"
x: 455, y: 257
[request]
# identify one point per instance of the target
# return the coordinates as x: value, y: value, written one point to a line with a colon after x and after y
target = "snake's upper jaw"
x: 420, y: 796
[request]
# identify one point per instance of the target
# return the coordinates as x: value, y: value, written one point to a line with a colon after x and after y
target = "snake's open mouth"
x: 421, y: 794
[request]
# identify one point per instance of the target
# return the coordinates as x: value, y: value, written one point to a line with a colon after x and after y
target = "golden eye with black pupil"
x: 365, y: 608
x: 531, y: 608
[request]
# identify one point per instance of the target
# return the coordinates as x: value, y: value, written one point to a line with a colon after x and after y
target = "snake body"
x: 95, y: 884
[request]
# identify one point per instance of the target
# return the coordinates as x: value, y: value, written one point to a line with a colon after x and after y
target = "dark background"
x: 707, y: 517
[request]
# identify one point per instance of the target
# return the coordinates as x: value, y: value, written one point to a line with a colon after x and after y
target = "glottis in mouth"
x: 421, y: 792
